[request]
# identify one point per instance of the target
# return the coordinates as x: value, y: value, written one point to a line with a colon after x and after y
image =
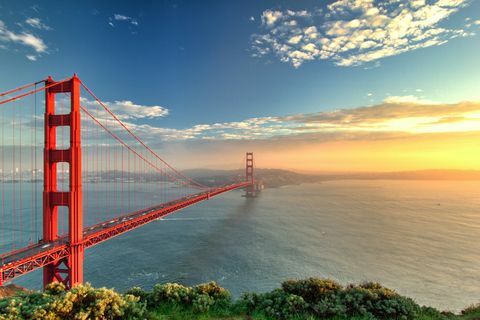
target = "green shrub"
x: 373, y: 299
x: 219, y: 295
x: 55, y: 288
x: 472, y: 310
x: 277, y: 304
x: 202, y: 303
x: 171, y: 292
x: 139, y: 293
x: 81, y: 302
x: 201, y: 297
x: 322, y: 295
x: 303, y: 299
x: 312, y: 290
x: 432, y: 313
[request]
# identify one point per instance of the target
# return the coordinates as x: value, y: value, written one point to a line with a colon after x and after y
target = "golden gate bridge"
x: 111, y: 184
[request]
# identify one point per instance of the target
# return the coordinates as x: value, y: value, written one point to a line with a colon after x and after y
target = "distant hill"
x: 278, y: 177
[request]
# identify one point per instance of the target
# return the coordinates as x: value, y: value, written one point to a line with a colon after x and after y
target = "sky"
x: 345, y: 85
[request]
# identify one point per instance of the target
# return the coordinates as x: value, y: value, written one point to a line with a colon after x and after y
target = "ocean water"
x: 421, y: 238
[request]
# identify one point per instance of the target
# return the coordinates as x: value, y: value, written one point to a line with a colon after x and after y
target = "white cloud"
x: 121, y: 17
x: 23, y: 38
x: 128, y: 110
x: 369, y: 94
x: 405, y: 115
x: 269, y: 17
x: 295, y: 39
x: 353, y: 32
x: 31, y: 57
x: 133, y: 110
x: 37, y: 23
x: 252, y: 18
x: 406, y: 99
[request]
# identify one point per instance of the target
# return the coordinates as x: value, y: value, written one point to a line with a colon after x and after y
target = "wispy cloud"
x: 405, y: 115
x: 37, y: 24
x: 407, y: 99
x: 23, y: 38
x: 127, y: 110
x: 122, y: 18
x: 353, y: 32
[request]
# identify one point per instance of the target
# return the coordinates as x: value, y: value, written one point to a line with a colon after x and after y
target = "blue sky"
x: 182, y: 65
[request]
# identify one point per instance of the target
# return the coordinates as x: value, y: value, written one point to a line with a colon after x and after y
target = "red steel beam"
x: 40, y: 258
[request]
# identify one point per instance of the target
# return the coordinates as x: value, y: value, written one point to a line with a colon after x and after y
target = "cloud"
x: 406, y: 99
x: 269, y: 17
x: 396, y: 116
x: 31, y: 57
x: 37, y: 24
x: 127, y: 110
x: 23, y: 38
x: 121, y: 17
x: 354, y: 32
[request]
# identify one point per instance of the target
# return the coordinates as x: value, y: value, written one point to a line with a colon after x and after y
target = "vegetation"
x: 296, y: 299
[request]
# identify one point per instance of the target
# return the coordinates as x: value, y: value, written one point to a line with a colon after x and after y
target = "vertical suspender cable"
x: 14, y: 226
x: 36, y: 167
x: 20, y: 183
x: 3, y: 176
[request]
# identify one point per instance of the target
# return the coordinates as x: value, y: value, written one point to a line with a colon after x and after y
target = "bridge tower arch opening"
x: 67, y: 270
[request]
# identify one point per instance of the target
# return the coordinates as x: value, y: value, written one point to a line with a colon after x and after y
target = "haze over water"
x: 418, y: 237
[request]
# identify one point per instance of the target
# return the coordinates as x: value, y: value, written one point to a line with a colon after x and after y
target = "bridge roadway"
x: 25, y: 260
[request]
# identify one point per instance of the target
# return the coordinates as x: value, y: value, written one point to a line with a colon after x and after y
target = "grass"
x: 169, y: 311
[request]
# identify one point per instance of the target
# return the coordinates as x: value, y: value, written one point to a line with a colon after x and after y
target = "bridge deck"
x: 20, y: 262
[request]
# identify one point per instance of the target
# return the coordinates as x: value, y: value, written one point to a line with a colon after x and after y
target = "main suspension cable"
x: 139, y: 140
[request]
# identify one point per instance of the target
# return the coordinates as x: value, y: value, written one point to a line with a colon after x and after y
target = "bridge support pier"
x: 69, y: 270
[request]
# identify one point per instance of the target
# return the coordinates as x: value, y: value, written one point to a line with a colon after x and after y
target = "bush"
x: 138, y: 292
x: 432, y: 313
x: 312, y: 290
x: 201, y: 297
x: 472, y: 310
x: 277, y: 303
x: 297, y: 299
x: 383, y: 303
x: 219, y: 295
x: 81, y: 302
x: 322, y: 295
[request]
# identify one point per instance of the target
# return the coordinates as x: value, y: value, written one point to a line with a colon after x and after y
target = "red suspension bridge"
x: 112, y: 183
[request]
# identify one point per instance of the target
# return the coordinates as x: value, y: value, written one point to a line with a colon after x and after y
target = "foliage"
x: 472, y: 312
x: 277, y: 303
x: 81, y: 302
x: 310, y: 299
x: 383, y: 303
x: 201, y: 297
x: 313, y: 290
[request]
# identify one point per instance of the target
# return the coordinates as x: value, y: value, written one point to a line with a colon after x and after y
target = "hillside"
x: 311, y: 299
x: 278, y: 177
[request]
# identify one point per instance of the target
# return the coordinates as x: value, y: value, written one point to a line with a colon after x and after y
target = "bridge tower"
x: 250, y: 189
x: 68, y: 270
